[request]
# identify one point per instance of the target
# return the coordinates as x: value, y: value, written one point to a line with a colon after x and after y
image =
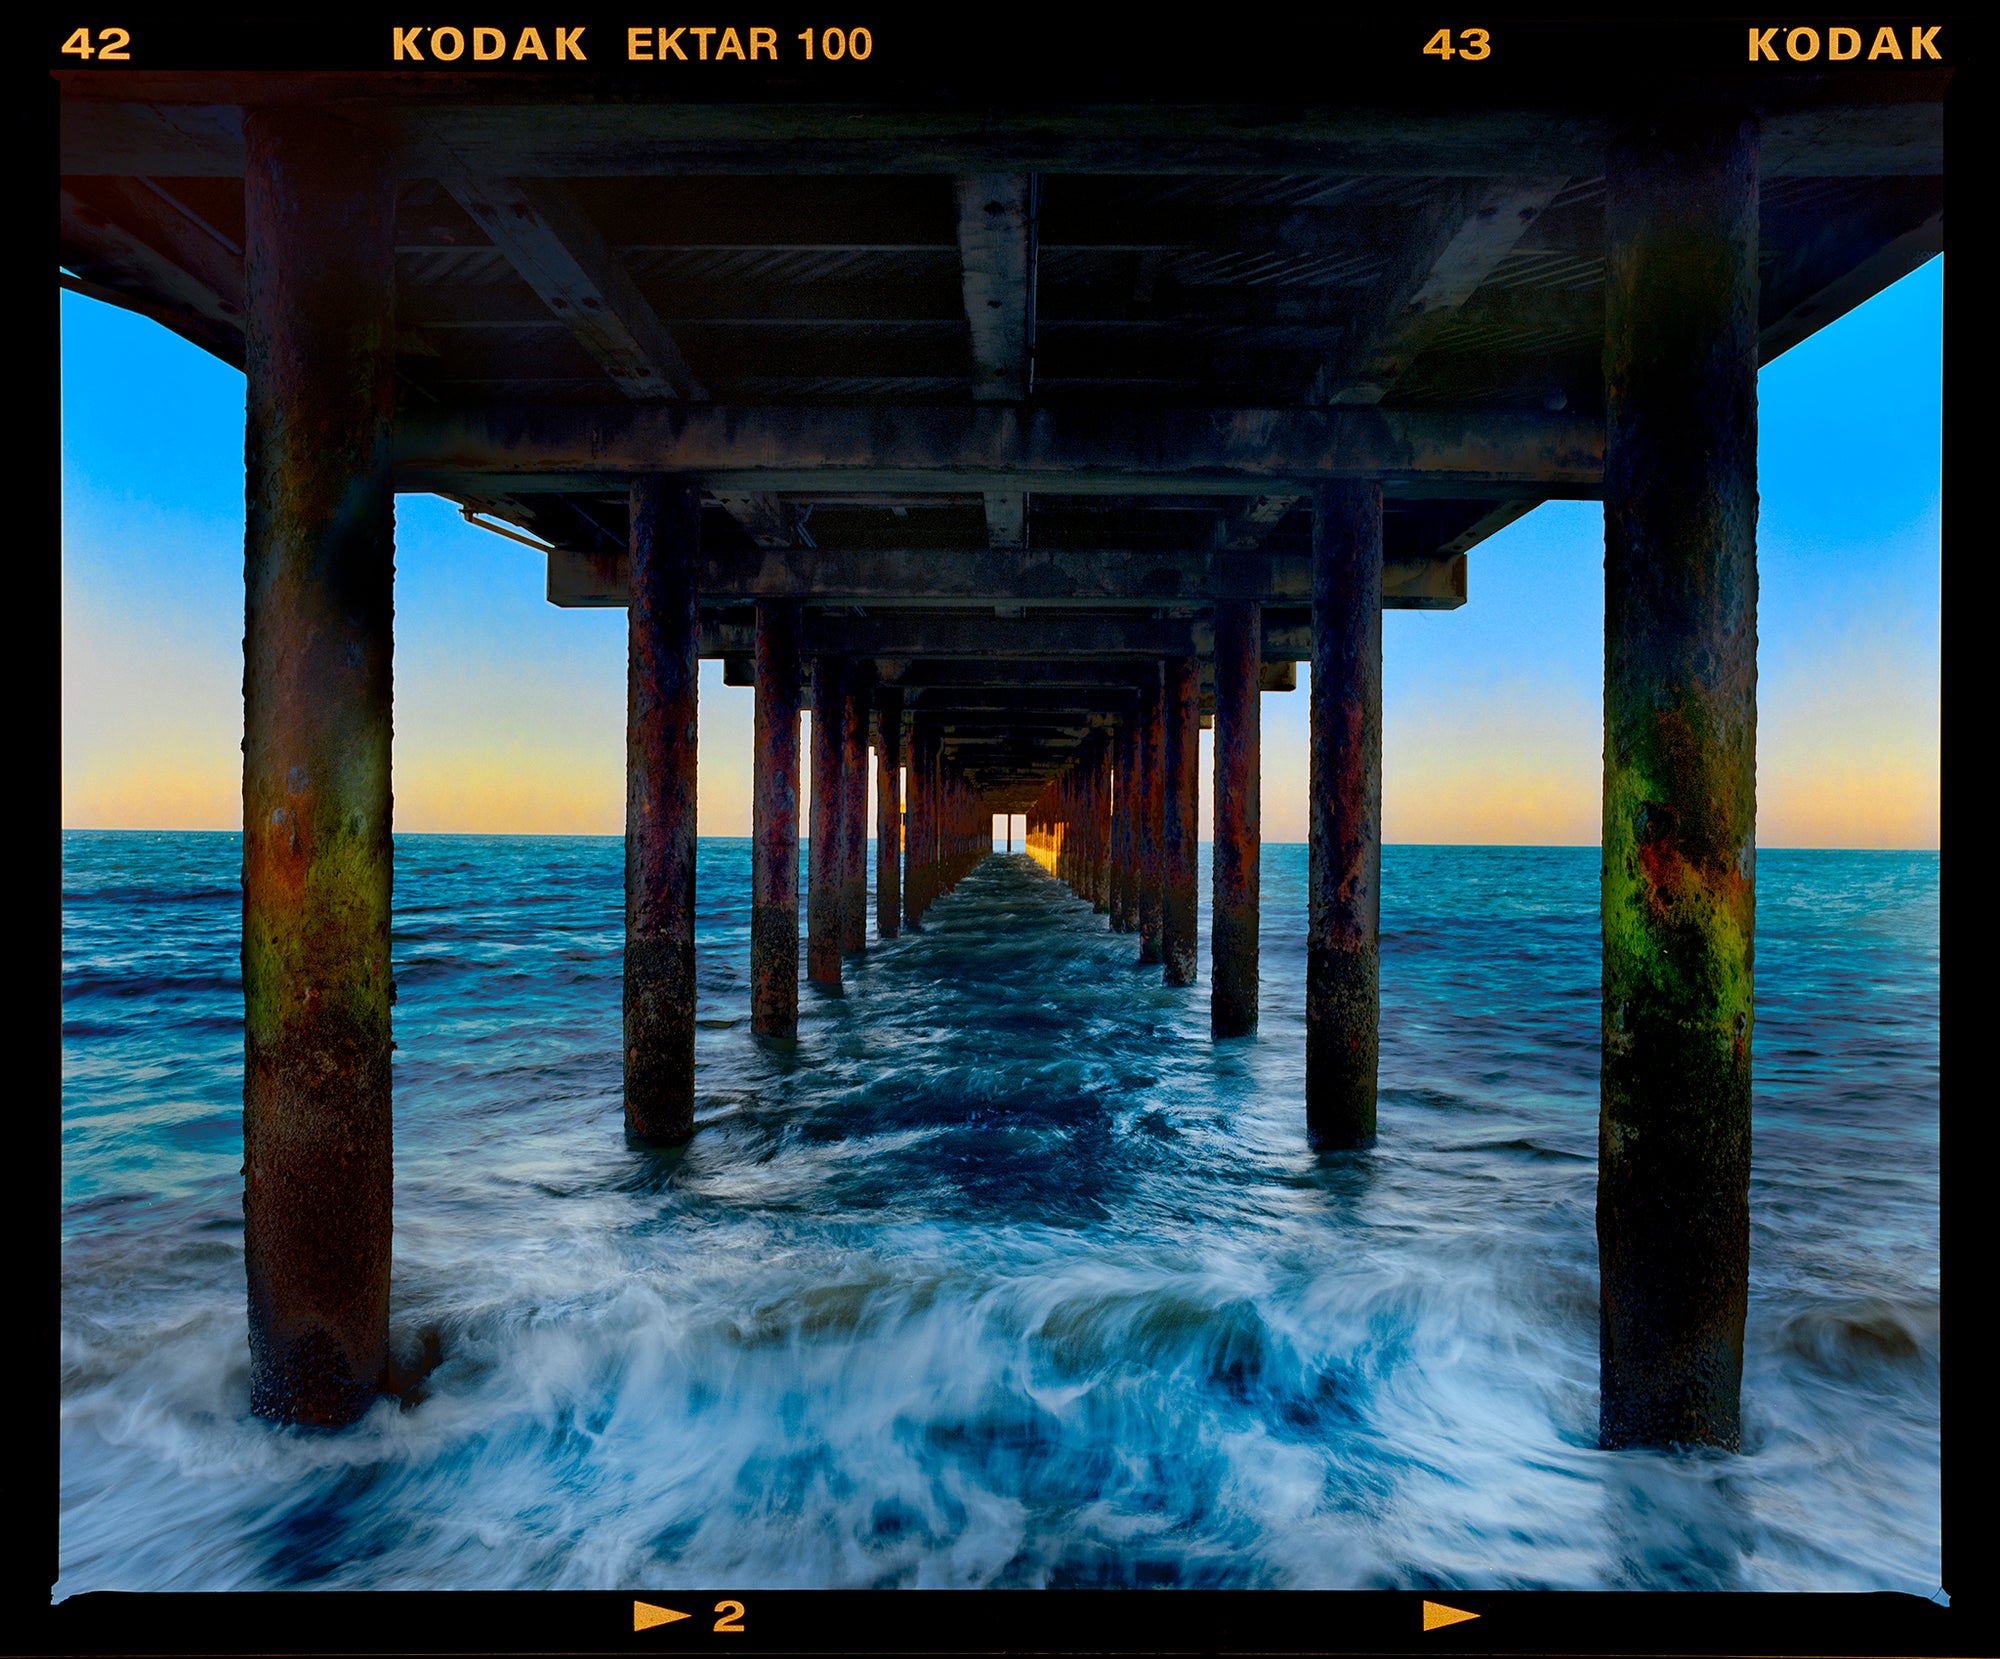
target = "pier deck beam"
x: 854, y: 812
x: 774, y: 829
x: 1680, y: 745
x: 320, y: 204
x: 825, y: 858
x: 662, y: 679
x: 1344, y: 808
x: 888, y: 813
x: 1238, y: 761
x: 1147, y: 796
x: 1180, y: 818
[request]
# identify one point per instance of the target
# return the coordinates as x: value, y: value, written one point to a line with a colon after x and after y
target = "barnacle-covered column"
x: 1344, y: 815
x: 319, y: 566
x: 1680, y: 784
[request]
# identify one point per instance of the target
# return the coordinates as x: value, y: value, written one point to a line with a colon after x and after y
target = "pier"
x: 1017, y: 454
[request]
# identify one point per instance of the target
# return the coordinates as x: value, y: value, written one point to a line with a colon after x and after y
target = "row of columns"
x: 1120, y: 826
x: 941, y: 836
x: 1677, y: 894
x: 918, y: 859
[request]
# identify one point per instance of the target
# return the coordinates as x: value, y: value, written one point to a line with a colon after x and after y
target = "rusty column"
x: 854, y: 810
x: 967, y: 854
x: 660, y: 732
x: 936, y: 822
x: 1087, y: 807
x: 947, y: 828
x: 1148, y: 797
x: 1103, y: 826
x: 1344, y: 808
x: 774, y: 827
x: 1079, y: 827
x: 888, y: 812
x: 826, y: 856
x: 319, y: 567
x: 940, y: 823
x: 1064, y: 873
x: 916, y: 874
x: 1180, y: 869
x: 1680, y: 752
x: 1123, y: 894
x: 1233, y: 924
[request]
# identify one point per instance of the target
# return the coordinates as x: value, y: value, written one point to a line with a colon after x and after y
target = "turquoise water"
x: 1006, y: 1274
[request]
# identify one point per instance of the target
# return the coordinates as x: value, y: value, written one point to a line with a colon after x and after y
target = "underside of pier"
x: 1018, y: 448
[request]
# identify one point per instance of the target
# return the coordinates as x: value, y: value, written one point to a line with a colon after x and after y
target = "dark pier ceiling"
x: 1019, y: 401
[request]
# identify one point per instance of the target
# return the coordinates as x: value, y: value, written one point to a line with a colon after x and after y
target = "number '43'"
x: 1473, y: 44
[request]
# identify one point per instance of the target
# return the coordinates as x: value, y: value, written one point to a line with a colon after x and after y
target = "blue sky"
x: 510, y: 713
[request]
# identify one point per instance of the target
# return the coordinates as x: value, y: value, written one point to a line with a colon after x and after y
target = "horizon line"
x: 805, y: 840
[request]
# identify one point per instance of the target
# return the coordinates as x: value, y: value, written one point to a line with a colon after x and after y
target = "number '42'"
x: 1473, y: 44
x: 111, y: 45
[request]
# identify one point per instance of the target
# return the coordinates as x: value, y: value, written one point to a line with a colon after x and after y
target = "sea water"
x: 1004, y: 1273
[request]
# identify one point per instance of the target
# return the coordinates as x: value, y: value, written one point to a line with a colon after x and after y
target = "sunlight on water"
x: 1006, y: 1274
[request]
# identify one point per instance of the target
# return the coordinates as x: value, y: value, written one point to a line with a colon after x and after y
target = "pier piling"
x: 661, y: 730
x: 774, y: 828
x: 1124, y: 887
x: 319, y: 270
x: 854, y: 810
x: 1100, y: 826
x: 825, y: 858
x: 1680, y: 748
x: 1344, y: 820
x: 1234, y: 913
x: 1181, y: 772
x: 888, y: 812
x: 1147, y: 796
x: 917, y: 867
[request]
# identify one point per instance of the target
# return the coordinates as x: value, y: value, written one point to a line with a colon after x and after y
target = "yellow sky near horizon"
x: 1857, y: 766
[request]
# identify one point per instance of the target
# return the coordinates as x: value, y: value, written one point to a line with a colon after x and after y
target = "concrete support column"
x: 1124, y: 895
x: 319, y: 564
x: 826, y: 857
x: 1107, y: 797
x: 1100, y: 824
x: 888, y: 813
x: 1233, y: 922
x: 774, y: 825
x: 1680, y: 751
x: 1344, y: 806
x: 917, y: 871
x: 1148, y: 797
x: 1065, y: 841
x: 854, y: 810
x: 938, y: 828
x: 660, y: 734
x: 1179, y: 845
